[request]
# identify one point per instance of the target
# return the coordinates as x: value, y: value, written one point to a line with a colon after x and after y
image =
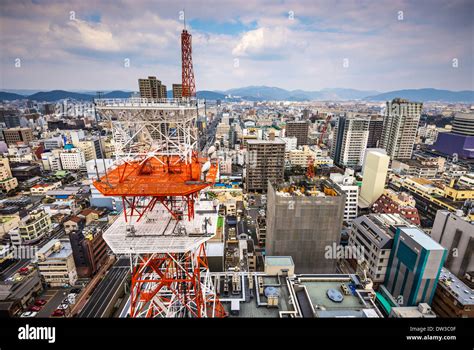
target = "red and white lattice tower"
x: 166, y: 220
x: 187, y: 73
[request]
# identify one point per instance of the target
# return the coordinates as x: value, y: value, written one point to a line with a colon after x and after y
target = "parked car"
x: 23, y: 270
x: 75, y: 290
x: 58, y: 313
x: 28, y: 314
x: 34, y: 308
x: 63, y: 306
x: 40, y: 302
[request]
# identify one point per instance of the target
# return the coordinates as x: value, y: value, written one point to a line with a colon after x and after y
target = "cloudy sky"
x: 302, y: 44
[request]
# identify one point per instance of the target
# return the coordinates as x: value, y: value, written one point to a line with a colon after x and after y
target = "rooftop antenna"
x: 184, y: 19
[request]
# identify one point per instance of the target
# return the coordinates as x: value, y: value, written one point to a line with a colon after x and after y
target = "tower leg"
x: 173, y: 285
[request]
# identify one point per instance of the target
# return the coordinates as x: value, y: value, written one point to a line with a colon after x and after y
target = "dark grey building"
x: 457, y: 235
x: 375, y: 131
x: 303, y: 220
x: 265, y: 162
x: 298, y: 129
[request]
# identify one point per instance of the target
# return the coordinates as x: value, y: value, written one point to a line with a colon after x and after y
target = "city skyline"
x: 293, y: 45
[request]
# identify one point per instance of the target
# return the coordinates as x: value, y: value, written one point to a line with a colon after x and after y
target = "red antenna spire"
x: 187, y: 73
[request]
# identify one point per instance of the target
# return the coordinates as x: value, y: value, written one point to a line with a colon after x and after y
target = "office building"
x: 265, y: 162
x: 151, y: 88
x: 347, y: 183
x: 15, y: 135
x: 456, y: 234
x: 375, y: 174
x: 298, y: 129
x: 177, y: 90
x: 73, y: 159
x: 91, y: 148
x: 373, y: 235
x: 375, y: 131
x: 453, y: 298
x: 460, y: 141
x: 350, y: 140
x: 303, y: 220
x: 414, y: 266
x: 399, y: 127
x: 56, y: 263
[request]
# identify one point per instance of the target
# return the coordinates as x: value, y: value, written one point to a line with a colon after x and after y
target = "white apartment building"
x: 347, y: 183
x: 73, y: 159
x: 51, y: 161
x: 351, y: 134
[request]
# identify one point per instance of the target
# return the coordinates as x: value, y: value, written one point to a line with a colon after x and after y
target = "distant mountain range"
x: 266, y: 93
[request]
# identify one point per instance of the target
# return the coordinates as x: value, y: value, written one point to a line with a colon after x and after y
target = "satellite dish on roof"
x: 335, y: 295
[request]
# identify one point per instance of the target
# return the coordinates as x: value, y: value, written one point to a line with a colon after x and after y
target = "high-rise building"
x: 460, y: 141
x: 414, y: 266
x: 399, y: 127
x: 163, y: 91
x: 15, y: 135
x: 303, y: 221
x: 177, y: 90
x: 373, y: 234
x: 151, y: 88
x: 298, y: 129
x: 347, y: 184
x: 456, y: 234
x: 350, y: 140
x: 375, y: 131
x: 265, y: 162
x: 375, y: 174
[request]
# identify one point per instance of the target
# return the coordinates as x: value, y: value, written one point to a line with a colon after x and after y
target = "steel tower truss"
x: 187, y: 73
x: 165, y: 224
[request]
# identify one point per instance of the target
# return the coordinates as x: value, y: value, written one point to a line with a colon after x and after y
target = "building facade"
x: 351, y: 134
x: 304, y: 224
x: 399, y: 127
x: 265, y: 162
x: 298, y: 129
x: 375, y: 175
x: 414, y: 266
x: 56, y: 263
x: 456, y: 234
x: 151, y: 88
